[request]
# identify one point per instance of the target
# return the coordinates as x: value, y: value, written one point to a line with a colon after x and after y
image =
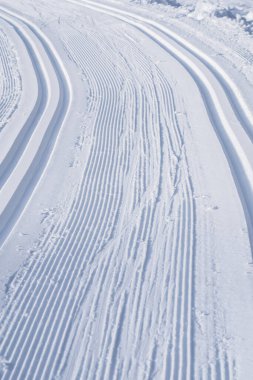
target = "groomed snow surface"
x: 126, y: 190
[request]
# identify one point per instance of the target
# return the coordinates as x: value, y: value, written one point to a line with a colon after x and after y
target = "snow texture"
x: 126, y: 187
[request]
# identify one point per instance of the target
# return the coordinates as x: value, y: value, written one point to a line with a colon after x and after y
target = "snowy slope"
x: 126, y: 187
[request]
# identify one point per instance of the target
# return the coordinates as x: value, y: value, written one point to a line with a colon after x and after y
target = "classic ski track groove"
x: 21, y: 140
x: 22, y: 153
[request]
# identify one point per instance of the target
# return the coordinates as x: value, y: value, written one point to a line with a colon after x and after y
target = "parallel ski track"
x: 39, y: 319
x: 25, y: 188
x: 12, y: 84
x: 20, y: 142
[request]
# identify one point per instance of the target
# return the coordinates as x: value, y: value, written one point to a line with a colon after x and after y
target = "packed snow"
x: 126, y: 189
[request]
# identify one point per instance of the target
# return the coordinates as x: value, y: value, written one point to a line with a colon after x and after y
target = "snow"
x: 126, y: 187
x: 240, y: 11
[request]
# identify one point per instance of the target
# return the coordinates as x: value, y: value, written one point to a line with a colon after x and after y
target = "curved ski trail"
x: 28, y: 156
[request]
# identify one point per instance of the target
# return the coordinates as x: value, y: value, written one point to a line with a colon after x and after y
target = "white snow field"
x: 126, y: 191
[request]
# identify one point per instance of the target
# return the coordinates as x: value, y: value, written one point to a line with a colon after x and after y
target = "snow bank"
x: 238, y: 11
x: 241, y: 15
